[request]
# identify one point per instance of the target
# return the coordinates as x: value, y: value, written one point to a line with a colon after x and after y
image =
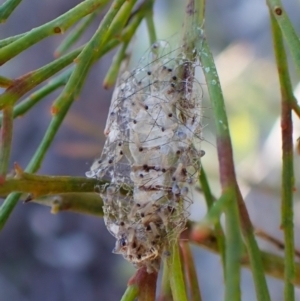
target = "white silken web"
x: 152, y: 154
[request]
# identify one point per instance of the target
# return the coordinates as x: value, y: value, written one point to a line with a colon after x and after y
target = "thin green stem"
x: 121, y: 18
x: 150, y: 25
x: 287, y: 214
x: 233, y: 251
x: 38, y: 185
x: 227, y: 172
x: 227, y: 175
x: 34, y: 98
x: 62, y: 105
x: 28, y: 81
x: 190, y: 271
x: 272, y: 265
x: 165, y: 292
x: 213, y: 214
x: 131, y: 293
x: 77, y: 202
x: 7, y: 8
x: 35, y: 162
x: 75, y: 34
x: 5, y: 82
x: 296, y: 107
x: 287, y: 29
x: 210, y: 199
x: 114, y: 68
x: 6, y: 138
x: 274, y: 241
x: 87, y: 56
x: 56, y: 26
x: 175, y: 274
x: 9, y: 40
x: 193, y: 30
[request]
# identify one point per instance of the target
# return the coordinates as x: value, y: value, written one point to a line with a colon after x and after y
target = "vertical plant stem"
x: 35, y: 162
x: 131, y: 293
x: 6, y: 138
x: 210, y: 199
x: 165, y: 292
x: 287, y: 29
x: 121, y: 17
x: 287, y: 215
x: 112, y: 73
x: 233, y: 252
x: 228, y: 181
x: 227, y: 172
x: 218, y: 208
x: 190, y: 271
x: 226, y: 166
x: 150, y: 24
x: 175, y: 274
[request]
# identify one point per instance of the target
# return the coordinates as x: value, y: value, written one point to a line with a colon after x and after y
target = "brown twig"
x: 273, y: 240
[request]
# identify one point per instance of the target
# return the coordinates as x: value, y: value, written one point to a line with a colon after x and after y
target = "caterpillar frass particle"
x: 151, y: 156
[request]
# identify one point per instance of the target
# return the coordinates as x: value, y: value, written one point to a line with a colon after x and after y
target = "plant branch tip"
x: 29, y: 198
x: 106, y: 86
x: 18, y: 170
x: 200, y: 232
x: 55, y: 208
x: 56, y: 54
x: 54, y: 110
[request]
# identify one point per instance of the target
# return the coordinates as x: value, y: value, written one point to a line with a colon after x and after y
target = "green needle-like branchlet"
x: 5, y: 142
x: 287, y: 29
x: 150, y: 24
x: 131, y: 293
x: 227, y: 172
x: 30, y: 80
x: 34, y: 98
x: 210, y: 200
x: 75, y: 34
x: 190, y: 271
x: 287, y: 216
x: 9, y: 40
x: 113, y: 71
x: 176, y: 276
x: 87, y: 56
x: 60, y: 109
x: 5, y: 82
x: 56, y: 26
x: 7, y: 8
